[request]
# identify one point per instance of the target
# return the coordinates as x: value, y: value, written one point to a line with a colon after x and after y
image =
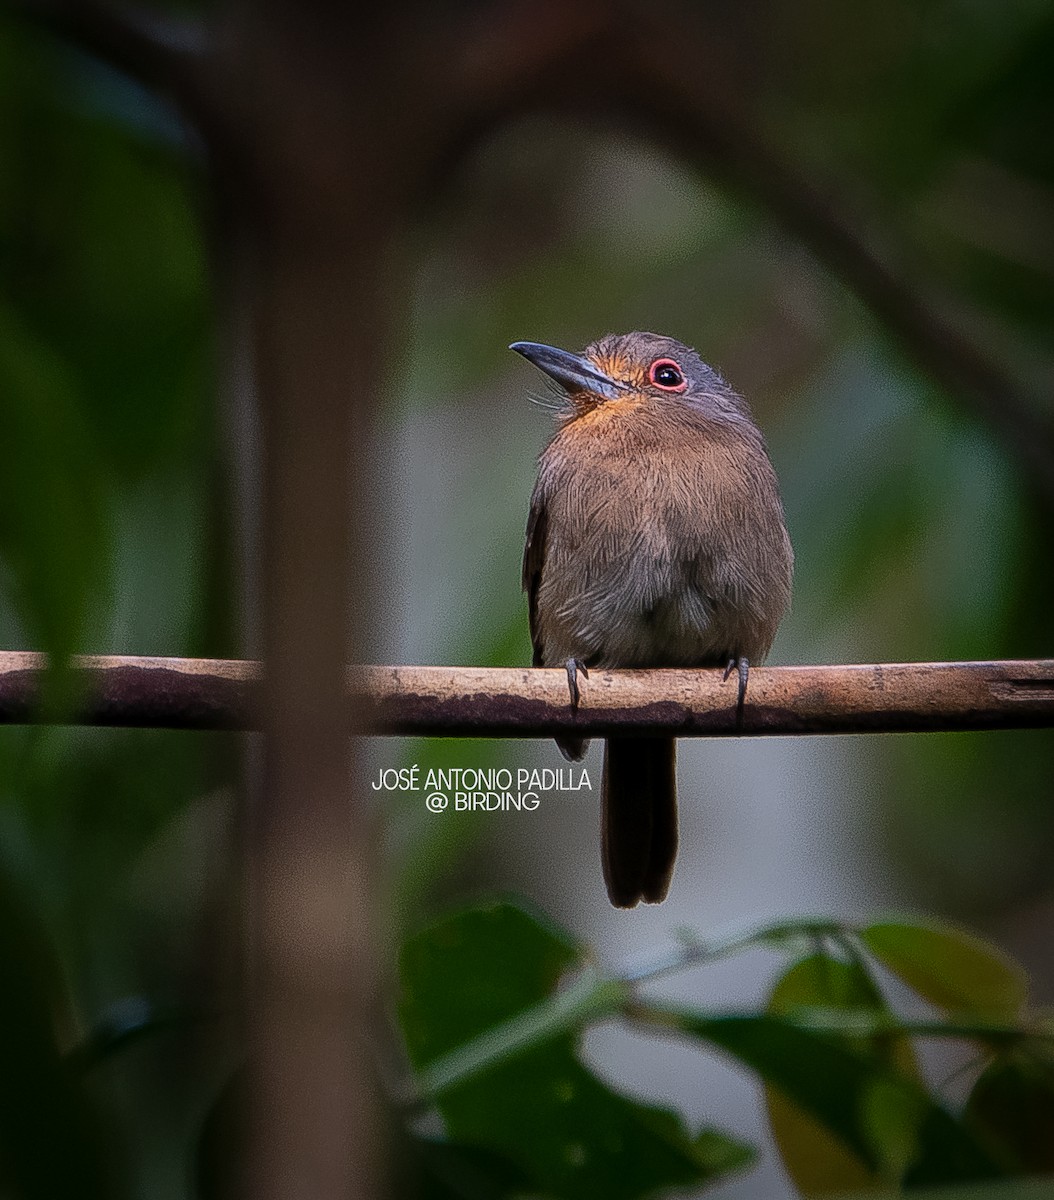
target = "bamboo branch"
x: 176, y: 693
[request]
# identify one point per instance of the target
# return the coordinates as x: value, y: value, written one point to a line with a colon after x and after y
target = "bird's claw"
x: 574, y: 665
x: 742, y: 665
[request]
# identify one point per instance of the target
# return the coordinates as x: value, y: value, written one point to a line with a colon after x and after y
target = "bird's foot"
x: 742, y: 665
x: 574, y: 665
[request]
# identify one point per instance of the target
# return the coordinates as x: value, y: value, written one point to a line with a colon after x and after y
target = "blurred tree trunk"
x: 306, y: 134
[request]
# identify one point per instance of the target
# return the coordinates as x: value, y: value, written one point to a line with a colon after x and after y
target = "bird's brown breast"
x: 665, y: 543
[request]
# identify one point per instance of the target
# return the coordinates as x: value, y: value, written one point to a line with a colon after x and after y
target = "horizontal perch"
x: 181, y: 693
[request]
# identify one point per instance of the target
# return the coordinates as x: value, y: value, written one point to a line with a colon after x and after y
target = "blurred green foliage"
x: 568, y: 1132
x: 111, y: 540
x: 493, y: 1001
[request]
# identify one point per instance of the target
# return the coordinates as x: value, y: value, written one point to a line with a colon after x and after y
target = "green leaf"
x: 571, y: 1134
x: 1012, y: 1104
x: 427, y: 1167
x: 954, y: 970
x: 822, y: 981
x: 448, y: 1171
x: 54, y: 1140
x: 892, y: 1119
x: 513, y: 960
x: 53, y: 510
x: 818, y: 1162
x: 845, y: 1092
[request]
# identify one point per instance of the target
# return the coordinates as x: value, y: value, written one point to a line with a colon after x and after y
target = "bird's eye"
x: 666, y: 374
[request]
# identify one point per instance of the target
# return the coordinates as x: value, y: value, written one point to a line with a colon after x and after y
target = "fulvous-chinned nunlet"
x: 656, y: 538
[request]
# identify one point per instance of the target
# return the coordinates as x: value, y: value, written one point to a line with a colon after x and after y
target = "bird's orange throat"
x: 589, y: 414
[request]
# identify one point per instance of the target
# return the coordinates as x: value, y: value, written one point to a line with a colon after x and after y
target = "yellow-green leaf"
x: 818, y: 1162
x: 955, y: 970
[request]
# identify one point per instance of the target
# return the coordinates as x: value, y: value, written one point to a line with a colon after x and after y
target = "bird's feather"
x: 533, y: 559
x: 639, y: 819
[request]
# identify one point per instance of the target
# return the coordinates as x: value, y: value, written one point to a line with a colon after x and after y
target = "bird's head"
x: 637, y: 368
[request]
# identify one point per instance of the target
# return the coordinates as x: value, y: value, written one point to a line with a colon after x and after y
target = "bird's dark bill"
x: 571, y: 371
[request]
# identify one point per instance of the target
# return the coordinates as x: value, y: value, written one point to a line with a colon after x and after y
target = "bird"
x: 656, y: 537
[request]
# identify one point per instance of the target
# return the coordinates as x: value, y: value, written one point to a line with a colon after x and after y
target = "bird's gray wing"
x: 533, y: 561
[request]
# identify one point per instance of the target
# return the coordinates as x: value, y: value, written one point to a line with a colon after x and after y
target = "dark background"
x: 920, y: 531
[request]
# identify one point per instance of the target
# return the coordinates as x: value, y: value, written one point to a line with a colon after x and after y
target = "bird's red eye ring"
x: 667, y: 375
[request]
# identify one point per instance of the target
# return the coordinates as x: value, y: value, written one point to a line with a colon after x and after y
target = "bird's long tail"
x: 639, y: 823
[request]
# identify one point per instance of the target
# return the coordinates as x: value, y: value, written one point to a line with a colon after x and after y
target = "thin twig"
x: 589, y: 998
x: 692, y: 950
